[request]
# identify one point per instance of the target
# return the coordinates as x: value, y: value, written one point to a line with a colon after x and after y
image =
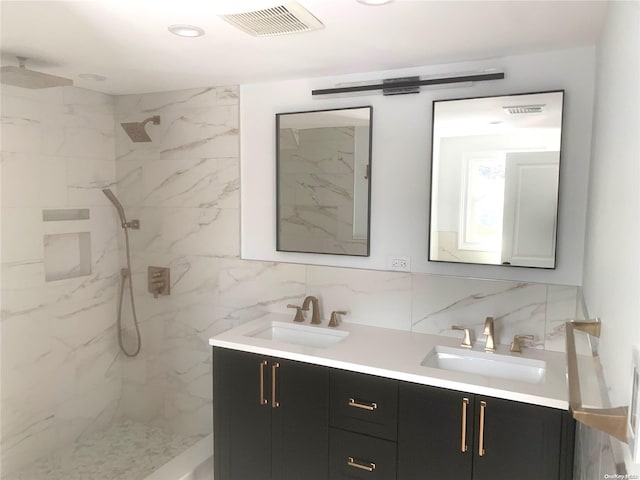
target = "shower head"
x: 116, y: 203
x: 136, y: 130
x: 22, y: 77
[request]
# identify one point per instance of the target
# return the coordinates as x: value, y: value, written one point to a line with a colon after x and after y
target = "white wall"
x: 401, y: 160
x: 612, y: 254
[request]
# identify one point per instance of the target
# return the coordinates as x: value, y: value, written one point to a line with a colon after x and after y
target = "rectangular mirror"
x: 495, y: 180
x: 323, y: 170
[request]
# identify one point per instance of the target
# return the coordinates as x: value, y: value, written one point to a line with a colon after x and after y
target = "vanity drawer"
x: 364, y: 404
x: 355, y: 456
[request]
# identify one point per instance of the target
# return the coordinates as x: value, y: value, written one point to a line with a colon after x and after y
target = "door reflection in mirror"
x: 324, y: 181
x: 495, y: 179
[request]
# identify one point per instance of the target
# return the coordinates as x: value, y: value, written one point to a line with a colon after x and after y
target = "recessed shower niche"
x: 66, y: 254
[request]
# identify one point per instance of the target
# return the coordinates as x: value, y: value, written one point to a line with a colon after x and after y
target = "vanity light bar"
x: 401, y: 86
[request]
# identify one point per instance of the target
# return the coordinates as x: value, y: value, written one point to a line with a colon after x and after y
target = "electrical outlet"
x: 399, y: 263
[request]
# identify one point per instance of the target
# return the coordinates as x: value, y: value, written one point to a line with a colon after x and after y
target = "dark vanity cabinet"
x: 284, y: 420
x: 271, y: 418
x: 364, y: 427
x: 449, y: 434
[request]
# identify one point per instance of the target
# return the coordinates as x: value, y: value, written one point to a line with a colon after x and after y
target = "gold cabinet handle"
x: 463, y: 444
x: 263, y: 401
x: 274, y: 402
x: 368, y: 466
x: 483, y: 406
x: 365, y: 406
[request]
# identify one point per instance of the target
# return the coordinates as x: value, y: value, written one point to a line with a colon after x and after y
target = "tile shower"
x: 63, y: 380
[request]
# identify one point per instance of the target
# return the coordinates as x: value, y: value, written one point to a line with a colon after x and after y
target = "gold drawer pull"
x: 365, y: 406
x: 369, y: 466
x: 483, y: 406
x: 463, y: 445
x: 274, y: 402
x: 263, y: 401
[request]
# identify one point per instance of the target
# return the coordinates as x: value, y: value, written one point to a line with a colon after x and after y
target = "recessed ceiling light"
x: 186, y: 30
x: 375, y: 2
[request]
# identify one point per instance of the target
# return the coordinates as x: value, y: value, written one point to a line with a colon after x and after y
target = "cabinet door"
x: 242, y: 423
x: 435, y: 433
x: 518, y: 441
x: 300, y: 422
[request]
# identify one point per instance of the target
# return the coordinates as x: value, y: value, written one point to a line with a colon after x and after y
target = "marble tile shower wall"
x: 184, y: 188
x: 59, y: 372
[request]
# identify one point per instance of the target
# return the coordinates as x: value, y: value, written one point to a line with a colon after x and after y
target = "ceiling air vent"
x: 523, y: 109
x: 290, y: 17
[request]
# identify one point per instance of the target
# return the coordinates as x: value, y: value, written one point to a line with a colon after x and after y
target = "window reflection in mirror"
x: 324, y: 181
x: 495, y: 180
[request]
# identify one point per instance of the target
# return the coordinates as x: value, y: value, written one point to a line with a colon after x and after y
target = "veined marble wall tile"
x: 86, y: 178
x: 262, y: 286
x: 21, y: 275
x: 33, y: 180
x: 179, y: 99
x: 22, y: 232
x: 187, y: 231
x: 200, y: 132
x: 381, y: 299
x: 561, y: 308
x: 440, y: 302
x: 60, y: 374
x: 198, y: 183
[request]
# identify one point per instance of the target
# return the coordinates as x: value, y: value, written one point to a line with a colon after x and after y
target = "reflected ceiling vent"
x: 290, y: 17
x: 523, y: 109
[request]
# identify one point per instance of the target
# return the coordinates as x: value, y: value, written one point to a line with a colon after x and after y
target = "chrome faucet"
x: 315, y: 308
x: 488, y: 331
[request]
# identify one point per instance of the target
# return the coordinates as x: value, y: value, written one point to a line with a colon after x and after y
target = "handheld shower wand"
x: 133, y: 224
x: 125, y: 273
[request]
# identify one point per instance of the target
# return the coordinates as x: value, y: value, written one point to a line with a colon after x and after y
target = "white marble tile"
x: 202, y: 182
x: 22, y: 232
x: 86, y: 177
x: 263, y: 286
x: 33, y: 180
x: 200, y: 132
x: 561, y: 308
x: 381, y: 299
x: 518, y: 308
x: 21, y: 275
x: 187, y: 231
x: 129, y: 181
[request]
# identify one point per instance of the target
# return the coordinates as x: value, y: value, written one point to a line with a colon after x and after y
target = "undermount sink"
x: 310, y: 336
x: 486, y: 364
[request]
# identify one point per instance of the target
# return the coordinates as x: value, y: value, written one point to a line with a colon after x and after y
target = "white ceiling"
x: 127, y: 40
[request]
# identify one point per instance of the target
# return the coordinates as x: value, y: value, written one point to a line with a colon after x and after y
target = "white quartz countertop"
x: 398, y: 354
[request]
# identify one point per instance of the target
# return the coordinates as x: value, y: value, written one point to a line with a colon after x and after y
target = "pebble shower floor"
x: 126, y: 451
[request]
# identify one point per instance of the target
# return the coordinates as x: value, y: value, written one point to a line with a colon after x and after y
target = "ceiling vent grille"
x: 285, y: 19
x: 523, y: 109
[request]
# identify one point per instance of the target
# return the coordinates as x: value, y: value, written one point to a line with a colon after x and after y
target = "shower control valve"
x: 159, y: 282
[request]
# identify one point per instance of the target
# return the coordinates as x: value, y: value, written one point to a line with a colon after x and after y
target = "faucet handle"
x: 466, y: 341
x: 298, y: 317
x: 335, y: 320
x: 515, y: 345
